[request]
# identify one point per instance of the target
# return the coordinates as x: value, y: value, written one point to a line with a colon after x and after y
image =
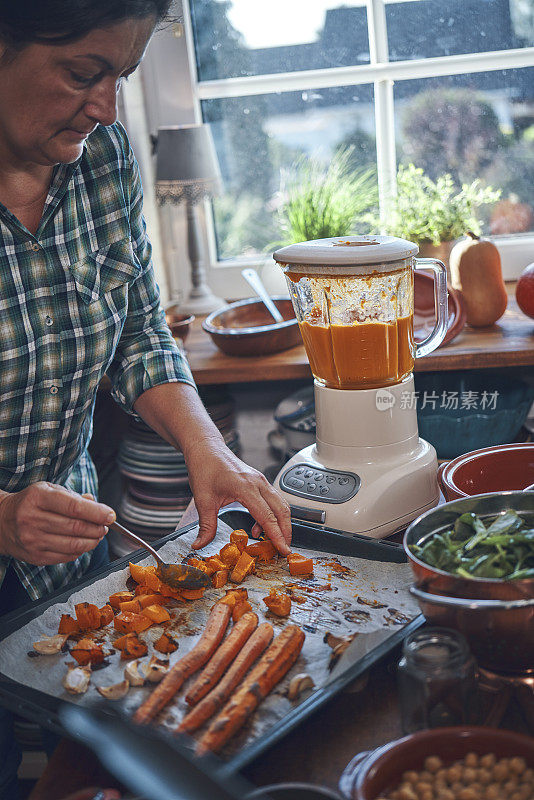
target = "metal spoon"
x: 177, y: 576
x: 252, y: 277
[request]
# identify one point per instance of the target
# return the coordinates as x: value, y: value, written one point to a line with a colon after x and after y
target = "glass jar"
x: 437, y: 680
x: 354, y: 301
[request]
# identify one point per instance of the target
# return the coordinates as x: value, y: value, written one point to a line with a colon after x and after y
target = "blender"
x: 368, y: 472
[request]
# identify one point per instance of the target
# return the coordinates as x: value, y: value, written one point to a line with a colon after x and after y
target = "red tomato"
x: 524, y: 291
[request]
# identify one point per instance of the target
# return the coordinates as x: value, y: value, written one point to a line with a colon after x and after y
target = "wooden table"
x: 509, y: 343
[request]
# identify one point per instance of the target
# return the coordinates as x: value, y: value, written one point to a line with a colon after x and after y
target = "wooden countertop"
x: 509, y: 343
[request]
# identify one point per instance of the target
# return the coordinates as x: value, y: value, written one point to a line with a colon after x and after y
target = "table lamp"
x: 187, y: 172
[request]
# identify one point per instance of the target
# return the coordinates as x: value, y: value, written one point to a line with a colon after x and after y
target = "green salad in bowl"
x: 504, y: 548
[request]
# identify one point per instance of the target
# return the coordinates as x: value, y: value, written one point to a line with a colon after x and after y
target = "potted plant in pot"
x: 435, y: 213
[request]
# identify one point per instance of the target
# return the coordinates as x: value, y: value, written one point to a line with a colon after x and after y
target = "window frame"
x: 382, y: 73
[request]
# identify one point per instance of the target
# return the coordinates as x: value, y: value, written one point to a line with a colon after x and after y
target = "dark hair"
x: 24, y: 22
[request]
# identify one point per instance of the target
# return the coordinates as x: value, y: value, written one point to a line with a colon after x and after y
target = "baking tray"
x: 43, y: 709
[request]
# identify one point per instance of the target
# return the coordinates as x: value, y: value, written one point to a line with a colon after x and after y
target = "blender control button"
x: 318, y: 476
x: 299, y: 470
x: 311, y: 487
x: 343, y: 481
x: 324, y: 489
x: 308, y: 473
x: 330, y: 479
x: 295, y: 482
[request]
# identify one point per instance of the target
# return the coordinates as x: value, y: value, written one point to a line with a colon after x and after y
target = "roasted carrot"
x: 214, y: 701
x: 222, y: 658
x: 196, y: 658
x: 271, y: 668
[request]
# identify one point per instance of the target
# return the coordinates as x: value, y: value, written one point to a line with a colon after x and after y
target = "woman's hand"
x: 48, y: 524
x: 218, y: 477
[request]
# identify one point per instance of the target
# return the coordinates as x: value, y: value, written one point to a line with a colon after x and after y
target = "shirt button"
x: 49, y: 321
x: 53, y: 390
x: 35, y: 247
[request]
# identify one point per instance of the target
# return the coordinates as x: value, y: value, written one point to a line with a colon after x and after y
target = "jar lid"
x: 347, y: 251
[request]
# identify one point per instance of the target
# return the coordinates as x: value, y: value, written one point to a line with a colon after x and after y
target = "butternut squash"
x: 476, y: 273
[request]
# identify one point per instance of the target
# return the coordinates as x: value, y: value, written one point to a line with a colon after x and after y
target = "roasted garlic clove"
x: 76, y: 681
x: 299, y: 684
x: 115, y: 692
x: 50, y: 644
x: 133, y: 675
x: 155, y: 670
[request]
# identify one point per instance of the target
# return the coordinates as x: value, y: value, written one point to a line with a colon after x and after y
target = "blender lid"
x: 347, y: 251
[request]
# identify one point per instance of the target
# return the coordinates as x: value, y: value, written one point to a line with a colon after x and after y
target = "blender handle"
x: 441, y: 304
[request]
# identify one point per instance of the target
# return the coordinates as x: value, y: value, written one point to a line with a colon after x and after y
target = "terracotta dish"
x: 424, y: 314
x: 382, y: 770
x: 179, y: 323
x: 500, y: 468
x: 246, y: 328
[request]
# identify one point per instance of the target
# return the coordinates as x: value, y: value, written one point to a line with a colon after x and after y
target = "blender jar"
x: 354, y: 302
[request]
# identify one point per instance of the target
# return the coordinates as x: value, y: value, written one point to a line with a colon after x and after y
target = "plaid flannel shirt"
x: 77, y: 300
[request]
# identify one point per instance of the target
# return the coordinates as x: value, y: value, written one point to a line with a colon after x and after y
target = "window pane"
x: 234, y: 38
x: 474, y: 126
x: 259, y: 137
x: 429, y: 28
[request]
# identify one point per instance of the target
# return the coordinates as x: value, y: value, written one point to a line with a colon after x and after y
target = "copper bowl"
x: 382, y: 770
x: 500, y: 468
x: 246, y: 328
x: 496, y: 616
x: 178, y: 323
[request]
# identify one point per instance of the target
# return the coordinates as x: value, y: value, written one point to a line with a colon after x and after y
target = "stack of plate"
x: 156, y: 491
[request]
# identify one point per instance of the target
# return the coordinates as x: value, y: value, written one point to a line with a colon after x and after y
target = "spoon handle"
x: 252, y: 277
x: 115, y: 526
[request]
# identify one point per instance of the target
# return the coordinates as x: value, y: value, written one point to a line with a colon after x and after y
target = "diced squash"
x: 264, y: 551
x: 142, y: 589
x: 119, y: 597
x: 106, y: 615
x: 128, y: 622
x: 278, y: 602
x: 152, y: 581
x: 167, y: 591
x: 239, y: 538
x: 120, y: 643
x: 87, y: 652
x: 88, y: 616
x: 229, y: 555
x: 192, y: 594
x: 198, y: 563
x: 166, y: 644
x: 244, y: 567
x: 156, y: 613
x: 234, y: 596
x: 131, y: 605
x: 214, y: 564
x: 299, y: 565
x: 139, y: 572
x: 240, y: 609
x: 133, y: 647
x: 152, y: 599
x: 68, y: 625
x: 219, y: 579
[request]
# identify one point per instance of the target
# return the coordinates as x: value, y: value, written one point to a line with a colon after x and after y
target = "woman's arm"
x: 216, y: 475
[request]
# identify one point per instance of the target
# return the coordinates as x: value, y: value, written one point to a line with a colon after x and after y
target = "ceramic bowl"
x: 178, y: 323
x: 294, y: 791
x: 246, y: 328
x: 506, y: 467
x: 381, y: 771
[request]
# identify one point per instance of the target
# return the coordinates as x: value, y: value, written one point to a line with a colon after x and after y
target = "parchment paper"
x: 365, y: 597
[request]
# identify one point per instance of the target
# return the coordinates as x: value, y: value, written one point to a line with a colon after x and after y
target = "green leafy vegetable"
x: 504, y: 549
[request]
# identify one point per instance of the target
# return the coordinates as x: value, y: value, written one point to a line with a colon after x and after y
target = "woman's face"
x: 53, y: 96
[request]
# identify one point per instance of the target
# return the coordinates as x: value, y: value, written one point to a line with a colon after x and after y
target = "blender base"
x: 393, y: 490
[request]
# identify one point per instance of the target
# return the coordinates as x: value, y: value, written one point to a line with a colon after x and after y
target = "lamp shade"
x: 187, y: 169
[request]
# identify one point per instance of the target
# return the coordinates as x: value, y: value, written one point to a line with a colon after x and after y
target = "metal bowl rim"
x: 275, y: 326
x: 475, y: 580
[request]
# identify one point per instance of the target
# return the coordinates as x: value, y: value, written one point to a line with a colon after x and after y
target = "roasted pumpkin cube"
x: 240, y: 609
x: 139, y: 573
x: 87, y: 652
x: 119, y: 597
x: 299, y: 565
x: 244, y: 567
x: 168, y: 591
x: 166, y: 644
x: 278, y: 603
x: 153, y: 582
x: 106, y: 615
x: 198, y: 563
x: 128, y: 622
x: 263, y: 551
x: 88, y: 616
x: 214, y: 564
x: 152, y: 599
x: 192, y: 594
x: 131, y: 605
x: 239, y: 538
x: 229, y: 555
x: 219, y: 579
x: 133, y: 647
x: 234, y: 596
x: 156, y: 613
x: 68, y: 625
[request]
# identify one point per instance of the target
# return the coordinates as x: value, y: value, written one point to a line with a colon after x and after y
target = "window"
x: 448, y: 86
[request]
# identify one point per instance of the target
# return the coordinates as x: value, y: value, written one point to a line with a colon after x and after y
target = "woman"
x: 78, y: 299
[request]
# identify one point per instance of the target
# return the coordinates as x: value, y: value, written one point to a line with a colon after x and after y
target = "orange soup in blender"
x: 360, y: 355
